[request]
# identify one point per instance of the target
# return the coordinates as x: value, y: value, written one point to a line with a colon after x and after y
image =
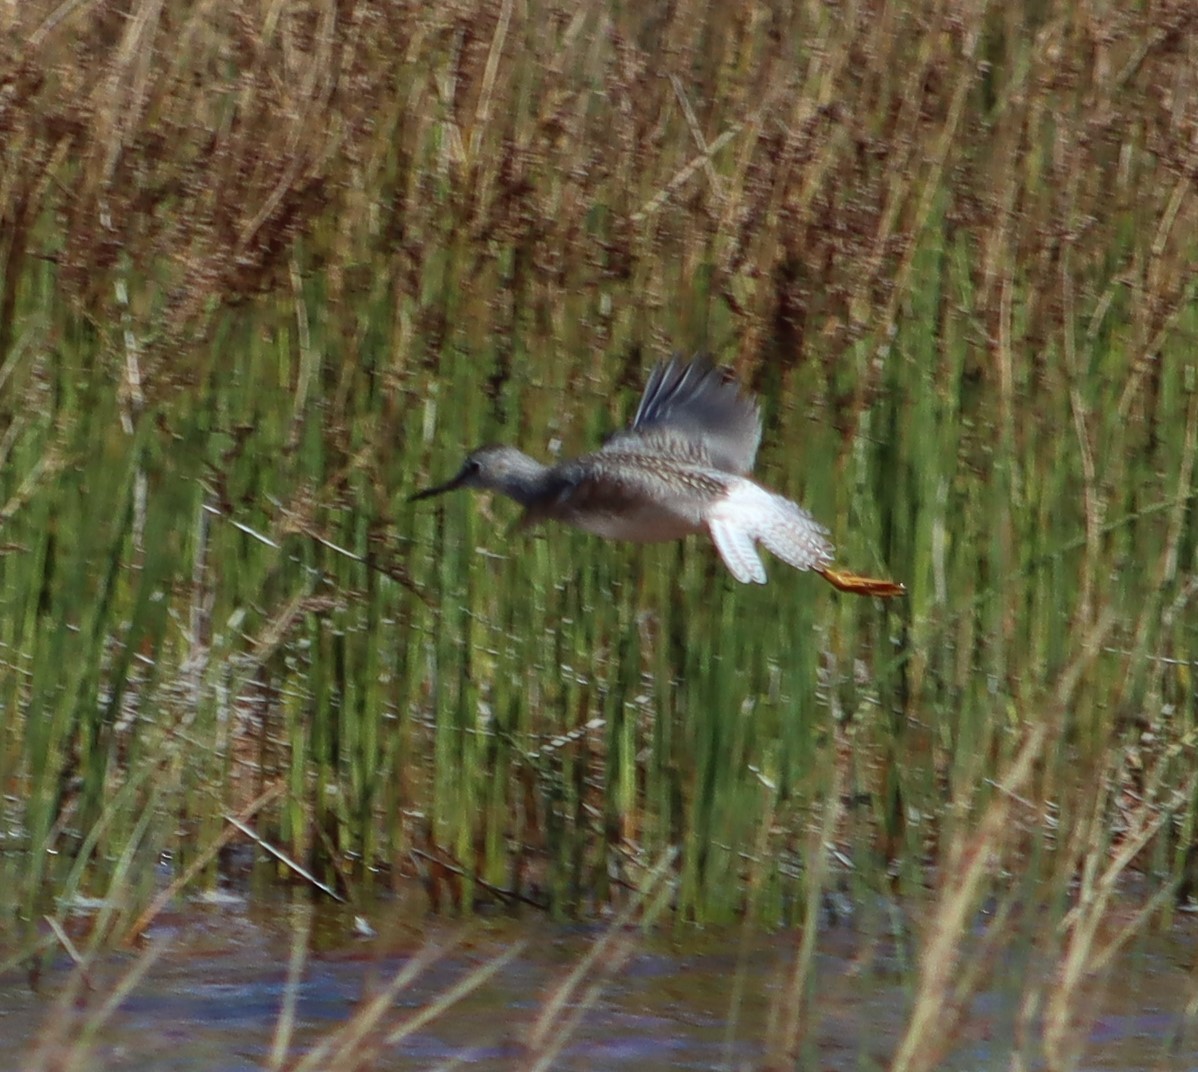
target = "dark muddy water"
x: 212, y: 999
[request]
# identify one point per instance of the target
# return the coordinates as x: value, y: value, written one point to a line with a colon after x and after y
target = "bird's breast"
x: 647, y: 524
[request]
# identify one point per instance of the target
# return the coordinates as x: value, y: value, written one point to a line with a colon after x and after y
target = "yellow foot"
x: 862, y: 586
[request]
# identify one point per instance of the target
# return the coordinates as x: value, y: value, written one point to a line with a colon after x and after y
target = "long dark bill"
x: 438, y: 489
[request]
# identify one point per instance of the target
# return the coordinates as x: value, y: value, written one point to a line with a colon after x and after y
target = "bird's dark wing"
x: 691, y: 409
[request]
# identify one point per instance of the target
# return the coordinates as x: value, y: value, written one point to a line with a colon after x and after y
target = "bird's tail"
x: 801, y: 541
x: 749, y: 514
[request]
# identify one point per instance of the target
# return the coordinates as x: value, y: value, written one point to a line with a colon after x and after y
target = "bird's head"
x: 493, y: 467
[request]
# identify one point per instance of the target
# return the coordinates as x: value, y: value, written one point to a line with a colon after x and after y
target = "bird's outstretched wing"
x: 692, y: 409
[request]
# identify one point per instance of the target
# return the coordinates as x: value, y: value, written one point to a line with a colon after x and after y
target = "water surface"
x: 687, y: 1000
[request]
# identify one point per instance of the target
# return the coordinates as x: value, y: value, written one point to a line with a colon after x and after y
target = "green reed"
x: 970, y: 327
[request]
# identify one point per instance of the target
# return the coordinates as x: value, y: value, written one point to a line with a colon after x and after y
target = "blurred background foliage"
x: 266, y: 269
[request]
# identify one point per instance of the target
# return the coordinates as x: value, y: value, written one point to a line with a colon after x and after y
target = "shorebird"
x: 681, y: 467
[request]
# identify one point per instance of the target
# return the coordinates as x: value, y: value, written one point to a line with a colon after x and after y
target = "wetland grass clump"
x: 263, y: 271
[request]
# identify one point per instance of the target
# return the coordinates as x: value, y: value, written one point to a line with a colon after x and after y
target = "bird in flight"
x: 680, y: 468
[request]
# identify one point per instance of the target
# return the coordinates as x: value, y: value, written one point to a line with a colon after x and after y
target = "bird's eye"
x: 473, y: 465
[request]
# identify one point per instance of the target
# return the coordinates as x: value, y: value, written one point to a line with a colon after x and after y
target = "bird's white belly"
x: 647, y: 524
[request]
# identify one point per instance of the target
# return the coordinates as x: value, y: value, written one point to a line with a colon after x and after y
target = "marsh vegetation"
x: 265, y: 270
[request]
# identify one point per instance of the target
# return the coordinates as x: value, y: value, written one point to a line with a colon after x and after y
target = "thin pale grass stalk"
x: 308, y: 105
x: 116, y: 810
x: 941, y: 629
x: 1155, y: 620
x: 133, y: 855
x: 62, y: 12
x: 1139, y: 922
x: 452, y: 995
x: 482, y: 112
x: 692, y: 121
x: 128, y: 982
x: 987, y: 955
x: 576, y: 228
x: 900, y: 184
x: 561, y: 1014
x: 679, y: 179
x: 309, y: 360
x: 792, y: 1016
x: 756, y: 879
x: 64, y: 940
x: 123, y: 104
x: 283, y: 858
x: 358, y: 1040
x: 564, y: 1027
x: 48, y: 466
x: 1068, y: 1007
x: 1189, y: 1018
x: 67, y: 1043
x: 1168, y: 504
x: 1152, y: 350
x: 1094, y: 508
x: 1159, y: 267
x: 240, y: 668
x: 965, y: 869
x: 199, y: 619
x: 242, y: 527
x: 132, y: 401
x: 970, y: 858
x: 285, y: 1024
x: 362, y: 1040
x: 201, y: 860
